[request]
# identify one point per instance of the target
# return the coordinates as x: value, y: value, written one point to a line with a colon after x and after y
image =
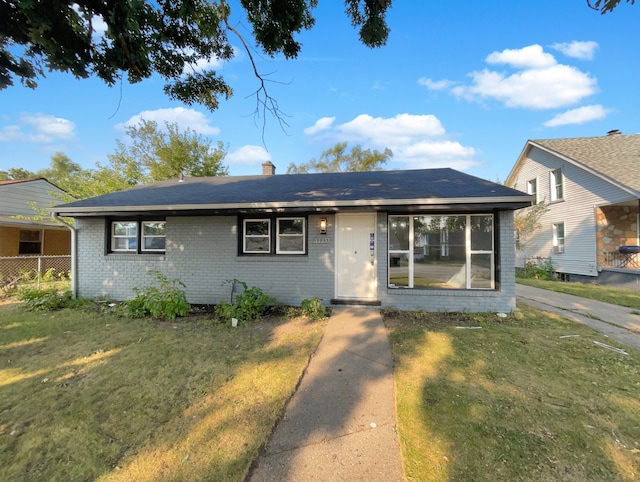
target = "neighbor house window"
x: 532, y: 188
x: 558, y: 238
x: 442, y: 252
x: 274, y: 235
x: 557, y: 191
x: 138, y: 236
x: 30, y: 241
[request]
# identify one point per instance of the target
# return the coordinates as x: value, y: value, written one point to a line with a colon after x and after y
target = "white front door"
x: 356, y: 246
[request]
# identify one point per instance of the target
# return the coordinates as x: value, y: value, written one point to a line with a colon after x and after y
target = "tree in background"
x: 169, y: 38
x: 15, y: 173
x: 153, y: 155
x: 526, y: 221
x: 336, y: 159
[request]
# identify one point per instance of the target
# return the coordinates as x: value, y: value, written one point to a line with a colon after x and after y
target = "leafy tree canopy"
x: 135, y: 39
x: 336, y: 159
x: 605, y: 6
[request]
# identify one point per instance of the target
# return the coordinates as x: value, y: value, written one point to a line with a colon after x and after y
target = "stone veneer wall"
x: 616, y: 226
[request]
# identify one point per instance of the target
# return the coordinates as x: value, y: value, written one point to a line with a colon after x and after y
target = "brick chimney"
x: 268, y: 169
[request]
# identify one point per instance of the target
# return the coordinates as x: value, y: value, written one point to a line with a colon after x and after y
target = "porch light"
x: 323, y: 225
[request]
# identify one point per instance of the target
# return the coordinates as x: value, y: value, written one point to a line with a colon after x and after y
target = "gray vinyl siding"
x: 15, y: 198
x: 583, y: 191
x: 203, y: 252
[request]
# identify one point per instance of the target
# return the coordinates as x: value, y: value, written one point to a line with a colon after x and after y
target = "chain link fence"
x: 16, y: 269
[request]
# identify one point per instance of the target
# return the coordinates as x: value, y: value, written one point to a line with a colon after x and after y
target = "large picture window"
x: 442, y: 252
x: 129, y: 236
x: 274, y: 235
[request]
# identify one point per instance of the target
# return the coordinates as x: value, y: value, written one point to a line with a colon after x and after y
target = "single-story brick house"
x: 435, y: 239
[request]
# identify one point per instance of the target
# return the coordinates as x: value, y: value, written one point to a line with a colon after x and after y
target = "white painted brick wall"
x: 203, y: 252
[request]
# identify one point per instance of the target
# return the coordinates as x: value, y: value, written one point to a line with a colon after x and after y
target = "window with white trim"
x: 290, y: 237
x: 274, y: 235
x: 557, y: 189
x: 154, y: 235
x: 131, y: 236
x: 124, y: 236
x: 257, y: 236
x: 442, y: 252
x: 532, y: 188
x: 558, y: 238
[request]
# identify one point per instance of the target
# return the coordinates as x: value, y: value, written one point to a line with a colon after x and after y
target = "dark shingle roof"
x: 615, y: 156
x: 376, y: 188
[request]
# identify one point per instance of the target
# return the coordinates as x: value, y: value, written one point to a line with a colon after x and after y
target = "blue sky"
x: 460, y: 84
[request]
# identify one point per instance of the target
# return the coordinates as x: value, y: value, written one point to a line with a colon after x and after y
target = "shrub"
x: 537, y: 268
x: 166, y: 301
x: 49, y: 275
x: 46, y: 299
x: 314, y: 309
x: 249, y: 304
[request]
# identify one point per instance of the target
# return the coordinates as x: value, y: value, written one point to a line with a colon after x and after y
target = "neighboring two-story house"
x: 592, y: 186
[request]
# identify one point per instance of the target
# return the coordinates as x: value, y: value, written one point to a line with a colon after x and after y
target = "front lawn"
x: 527, y: 397
x: 608, y: 294
x: 90, y: 396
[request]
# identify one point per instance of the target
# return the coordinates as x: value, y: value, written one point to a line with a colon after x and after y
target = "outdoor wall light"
x: 323, y: 225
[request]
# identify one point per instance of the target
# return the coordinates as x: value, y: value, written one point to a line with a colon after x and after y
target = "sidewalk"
x: 341, y: 422
x: 617, y: 322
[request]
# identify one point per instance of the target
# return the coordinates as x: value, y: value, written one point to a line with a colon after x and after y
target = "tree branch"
x: 264, y: 102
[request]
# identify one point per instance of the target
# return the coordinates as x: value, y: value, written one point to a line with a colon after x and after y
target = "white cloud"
x: 321, y: 124
x: 576, y: 49
x: 417, y: 141
x: 248, y: 155
x: 97, y: 22
x: 436, y: 84
x: 38, y: 129
x: 99, y: 25
x: 578, y: 116
x: 401, y: 129
x: 547, y: 88
x: 185, y: 118
x: 531, y: 57
x: 536, y: 82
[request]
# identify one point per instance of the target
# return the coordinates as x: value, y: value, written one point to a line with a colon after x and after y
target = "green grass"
x: 89, y: 396
x: 616, y: 296
x: 513, y: 400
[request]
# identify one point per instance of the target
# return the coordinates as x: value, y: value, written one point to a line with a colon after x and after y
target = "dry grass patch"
x: 87, y: 396
x: 513, y: 400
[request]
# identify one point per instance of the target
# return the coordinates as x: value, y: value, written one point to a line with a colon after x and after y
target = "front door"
x: 356, y: 256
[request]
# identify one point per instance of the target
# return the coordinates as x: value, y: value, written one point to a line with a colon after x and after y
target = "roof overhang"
x: 11, y: 221
x: 457, y: 204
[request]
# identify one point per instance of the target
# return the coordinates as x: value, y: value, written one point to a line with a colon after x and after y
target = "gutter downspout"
x: 74, y: 253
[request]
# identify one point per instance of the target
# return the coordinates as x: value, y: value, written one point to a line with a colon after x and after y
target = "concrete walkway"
x: 617, y: 322
x: 341, y: 422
